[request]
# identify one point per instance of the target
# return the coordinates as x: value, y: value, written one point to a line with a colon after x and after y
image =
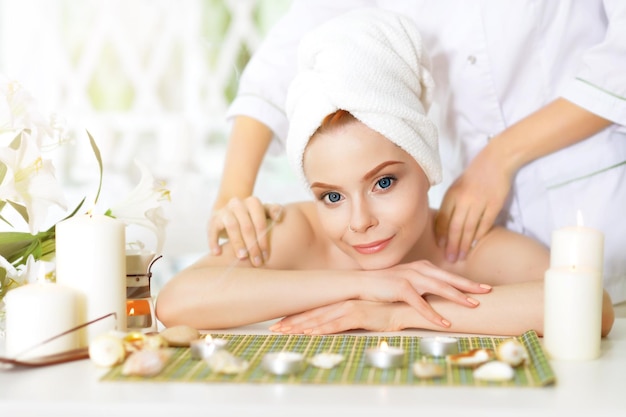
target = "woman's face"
x: 366, y: 183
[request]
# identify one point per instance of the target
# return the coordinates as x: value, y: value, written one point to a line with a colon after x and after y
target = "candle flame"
x: 579, y: 218
x: 383, y: 345
x: 131, y: 312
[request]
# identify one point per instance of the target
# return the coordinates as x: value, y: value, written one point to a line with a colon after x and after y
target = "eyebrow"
x: 369, y: 175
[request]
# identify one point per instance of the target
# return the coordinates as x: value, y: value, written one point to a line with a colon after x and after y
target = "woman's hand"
x: 343, y: 316
x: 412, y: 281
x: 244, y: 222
x: 472, y: 203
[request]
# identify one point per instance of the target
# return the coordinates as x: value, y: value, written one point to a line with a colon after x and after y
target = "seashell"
x: 426, y: 370
x: 471, y: 358
x: 107, y: 350
x: 494, y: 371
x: 326, y: 360
x: 224, y: 362
x: 147, y: 362
x: 181, y: 335
x: 511, y: 351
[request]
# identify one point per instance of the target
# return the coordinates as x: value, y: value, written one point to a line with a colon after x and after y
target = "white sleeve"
x: 264, y: 82
x: 600, y: 84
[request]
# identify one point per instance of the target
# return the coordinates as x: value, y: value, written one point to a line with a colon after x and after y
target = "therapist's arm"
x: 473, y: 201
x: 247, y: 147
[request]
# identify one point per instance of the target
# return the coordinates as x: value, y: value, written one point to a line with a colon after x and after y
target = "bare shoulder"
x: 503, y: 257
x: 297, y: 238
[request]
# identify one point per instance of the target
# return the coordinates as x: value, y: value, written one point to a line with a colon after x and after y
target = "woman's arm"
x: 507, y: 310
x: 223, y: 291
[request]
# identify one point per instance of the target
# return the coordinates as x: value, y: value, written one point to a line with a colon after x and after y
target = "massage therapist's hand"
x: 344, y: 316
x: 245, y: 223
x: 472, y: 203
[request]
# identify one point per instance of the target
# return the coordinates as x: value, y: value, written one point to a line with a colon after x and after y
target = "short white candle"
x: 37, y: 312
x: 439, y: 345
x: 573, y: 293
x: 384, y: 356
x: 91, y: 258
x: 578, y: 246
x: 283, y: 363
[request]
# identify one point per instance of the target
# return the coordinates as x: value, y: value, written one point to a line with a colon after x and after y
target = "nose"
x: 361, y: 216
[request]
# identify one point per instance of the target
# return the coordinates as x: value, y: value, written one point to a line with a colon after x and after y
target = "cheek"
x: 334, y: 221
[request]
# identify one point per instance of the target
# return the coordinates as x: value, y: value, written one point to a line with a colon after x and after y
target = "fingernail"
x: 462, y: 255
x: 442, y: 242
x: 315, y: 331
x: 215, y: 251
x: 307, y: 331
x: 473, y: 301
x: 257, y: 261
x: 445, y: 323
x: 485, y: 286
x: 274, y: 327
x: 242, y: 253
x: 285, y: 329
x: 265, y: 256
x: 474, y: 242
x: 451, y: 257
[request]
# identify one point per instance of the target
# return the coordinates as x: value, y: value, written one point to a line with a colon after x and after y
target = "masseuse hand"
x: 245, y: 223
x: 472, y: 203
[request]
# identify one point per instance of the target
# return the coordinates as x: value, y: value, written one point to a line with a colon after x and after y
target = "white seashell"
x: 471, y: 358
x: 224, y: 362
x: 147, y: 362
x: 427, y: 370
x: 107, y: 350
x: 181, y: 335
x: 494, y: 371
x: 512, y: 352
x: 326, y: 360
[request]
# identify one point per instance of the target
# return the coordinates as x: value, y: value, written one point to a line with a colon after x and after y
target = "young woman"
x: 363, y: 254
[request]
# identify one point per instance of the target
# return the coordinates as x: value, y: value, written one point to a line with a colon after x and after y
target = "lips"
x: 373, y: 247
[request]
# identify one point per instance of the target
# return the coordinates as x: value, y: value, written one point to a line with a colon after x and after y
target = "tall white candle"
x: 37, y: 312
x: 573, y: 294
x: 91, y: 258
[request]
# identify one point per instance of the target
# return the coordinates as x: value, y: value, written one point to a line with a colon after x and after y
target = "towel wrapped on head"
x: 371, y: 63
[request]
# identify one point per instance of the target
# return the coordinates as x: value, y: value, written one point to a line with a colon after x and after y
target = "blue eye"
x: 385, y: 182
x: 332, y: 197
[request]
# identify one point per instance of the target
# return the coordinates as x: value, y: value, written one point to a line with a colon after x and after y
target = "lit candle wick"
x: 383, y: 345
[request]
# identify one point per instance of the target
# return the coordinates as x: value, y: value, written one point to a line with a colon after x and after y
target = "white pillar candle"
x: 573, y: 294
x: 37, y: 312
x: 91, y: 258
x: 577, y: 246
x: 573, y: 313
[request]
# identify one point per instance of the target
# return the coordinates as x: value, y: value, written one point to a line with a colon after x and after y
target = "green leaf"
x: 16, y: 246
x: 21, y: 209
x: 96, y: 152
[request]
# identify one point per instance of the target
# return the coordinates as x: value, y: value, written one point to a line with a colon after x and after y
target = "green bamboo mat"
x: 353, y: 370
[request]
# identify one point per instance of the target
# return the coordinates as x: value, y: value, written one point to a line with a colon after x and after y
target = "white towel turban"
x: 371, y: 63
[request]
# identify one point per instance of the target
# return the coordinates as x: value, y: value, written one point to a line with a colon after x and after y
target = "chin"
x: 375, y: 262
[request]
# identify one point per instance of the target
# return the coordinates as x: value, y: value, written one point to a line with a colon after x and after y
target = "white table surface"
x: 596, y: 388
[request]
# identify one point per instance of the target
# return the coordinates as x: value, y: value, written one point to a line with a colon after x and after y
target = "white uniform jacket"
x: 495, y: 62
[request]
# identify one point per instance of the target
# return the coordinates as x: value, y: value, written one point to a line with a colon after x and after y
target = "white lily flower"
x: 19, y: 112
x: 142, y: 207
x: 29, y: 181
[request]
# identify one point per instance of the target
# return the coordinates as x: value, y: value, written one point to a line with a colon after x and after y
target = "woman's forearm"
x: 221, y: 297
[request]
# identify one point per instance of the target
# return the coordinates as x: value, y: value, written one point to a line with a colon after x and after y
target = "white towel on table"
x: 371, y: 63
